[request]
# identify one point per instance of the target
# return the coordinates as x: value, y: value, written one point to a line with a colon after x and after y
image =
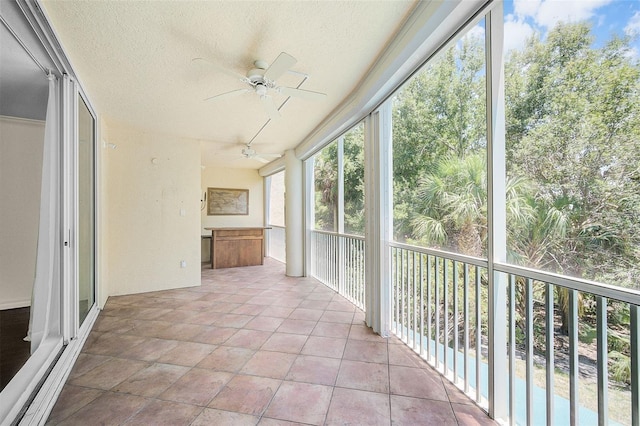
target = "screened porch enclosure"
x: 479, y: 215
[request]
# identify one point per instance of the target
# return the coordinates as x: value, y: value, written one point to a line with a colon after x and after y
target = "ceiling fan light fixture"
x: 248, y: 152
x: 261, y: 89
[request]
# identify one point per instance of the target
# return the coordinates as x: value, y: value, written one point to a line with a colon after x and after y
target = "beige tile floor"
x: 251, y: 346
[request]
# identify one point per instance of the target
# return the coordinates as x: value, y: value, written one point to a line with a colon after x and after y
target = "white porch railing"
x: 277, y: 243
x: 440, y: 310
x: 337, y: 260
x: 586, y: 374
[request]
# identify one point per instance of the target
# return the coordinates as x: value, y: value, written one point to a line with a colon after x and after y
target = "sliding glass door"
x: 86, y: 210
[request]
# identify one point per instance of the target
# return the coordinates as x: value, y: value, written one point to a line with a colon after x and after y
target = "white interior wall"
x: 21, y: 144
x: 150, y: 219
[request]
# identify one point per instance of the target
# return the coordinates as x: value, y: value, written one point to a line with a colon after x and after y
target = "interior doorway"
x: 23, y: 106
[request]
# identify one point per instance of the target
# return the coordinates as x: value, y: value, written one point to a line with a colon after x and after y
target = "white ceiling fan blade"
x: 217, y: 67
x: 270, y: 107
x: 260, y: 159
x: 231, y: 94
x: 283, y: 62
x: 304, y: 94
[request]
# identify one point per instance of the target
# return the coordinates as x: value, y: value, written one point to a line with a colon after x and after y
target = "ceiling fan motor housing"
x: 248, y: 152
x: 256, y: 75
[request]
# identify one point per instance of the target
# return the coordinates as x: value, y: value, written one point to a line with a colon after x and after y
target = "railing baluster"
x: 353, y: 282
x: 337, y: 255
x: 325, y: 256
x: 437, y: 309
x: 356, y: 268
x: 529, y: 349
x: 332, y: 253
x: 422, y: 256
x: 603, y: 371
x: 315, y: 255
x: 356, y: 272
x: 325, y: 253
x: 456, y: 330
x: 573, y: 357
x: 330, y: 262
x: 349, y: 271
x: 415, y: 295
x: 327, y: 250
x: 353, y: 274
x: 322, y: 251
x: 445, y: 291
x: 429, y: 311
x: 343, y: 268
x: 356, y: 283
x: 403, y: 294
x: 320, y: 254
x: 634, y: 339
x: 362, y: 272
x: 512, y: 349
x: 466, y: 326
x: 549, y: 355
x: 478, y: 337
x: 397, y: 291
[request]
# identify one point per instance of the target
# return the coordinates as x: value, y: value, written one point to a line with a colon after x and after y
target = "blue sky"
x: 523, y: 17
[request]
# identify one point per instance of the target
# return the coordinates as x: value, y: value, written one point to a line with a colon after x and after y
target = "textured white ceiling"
x: 135, y: 60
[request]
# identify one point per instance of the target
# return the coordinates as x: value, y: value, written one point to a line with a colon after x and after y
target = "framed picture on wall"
x: 227, y: 201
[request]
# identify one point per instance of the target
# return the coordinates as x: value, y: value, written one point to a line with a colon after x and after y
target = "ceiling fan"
x: 262, y: 81
x: 251, y: 154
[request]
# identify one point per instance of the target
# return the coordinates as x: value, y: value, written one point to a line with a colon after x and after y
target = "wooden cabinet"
x: 231, y: 247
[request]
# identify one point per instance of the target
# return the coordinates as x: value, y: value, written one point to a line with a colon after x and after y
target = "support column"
x: 340, y: 225
x: 309, y: 214
x: 496, y: 213
x: 378, y: 227
x: 267, y: 214
x: 294, y: 214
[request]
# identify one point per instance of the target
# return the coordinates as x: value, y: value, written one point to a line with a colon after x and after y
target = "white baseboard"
x: 13, y: 304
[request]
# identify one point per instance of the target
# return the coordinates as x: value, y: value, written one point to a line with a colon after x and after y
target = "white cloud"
x: 526, y: 8
x: 475, y: 32
x: 633, y: 26
x: 547, y: 13
x: 516, y: 31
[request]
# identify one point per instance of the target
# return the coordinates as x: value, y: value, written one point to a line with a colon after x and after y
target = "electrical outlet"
x: 183, y: 263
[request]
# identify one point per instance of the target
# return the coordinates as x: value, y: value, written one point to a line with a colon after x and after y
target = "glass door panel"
x: 86, y: 210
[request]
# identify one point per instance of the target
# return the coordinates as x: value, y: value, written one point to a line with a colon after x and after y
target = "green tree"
x: 573, y: 133
x: 326, y: 183
x: 440, y: 112
x: 452, y: 212
x: 326, y: 188
x: 353, y: 160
